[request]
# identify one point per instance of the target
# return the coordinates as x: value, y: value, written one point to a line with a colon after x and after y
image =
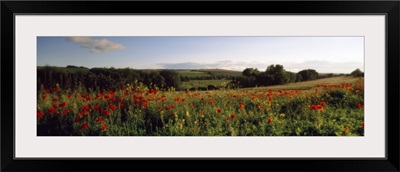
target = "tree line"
x: 73, y: 77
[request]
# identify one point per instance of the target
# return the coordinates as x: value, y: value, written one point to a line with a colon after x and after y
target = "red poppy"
x: 82, y: 112
x: 346, y: 128
x: 55, y: 106
x: 112, y: 107
x: 183, y: 100
x: 126, y: 93
x: 201, y: 112
x: 137, y: 101
x: 100, y: 120
x: 269, y: 120
x: 46, y: 91
x: 63, y: 104
x: 86, y: 107
x: 44, y: 97
x: 167, y: 108
x: 362, y: 124
x: 85, y: 126
x: 39, y: 114
x: 191, y: 106
x: 121, y: 105
x: 173, y: 106
x: 98, y: 108
x: 106, y: 112
x: 55, y: 99
x: 144, y: 105
x: 219, y: 110
x: 65, y: 111
x: 56, y: 90
x: 78, y: 119
x: 233, y: 116
x: 212, y: 102
x: 177, y: 99
x: 104, y: 127
x: 52, y: 110
x: 358, y: 105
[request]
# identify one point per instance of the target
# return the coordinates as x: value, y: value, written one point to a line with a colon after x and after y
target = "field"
x: 208, y: 72
x: 325, y: 107
x: 203, y: 83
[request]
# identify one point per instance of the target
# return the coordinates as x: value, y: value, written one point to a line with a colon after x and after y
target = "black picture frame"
x: 10, y: 8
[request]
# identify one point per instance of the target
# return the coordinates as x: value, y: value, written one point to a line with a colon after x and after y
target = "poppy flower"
x: 98, y: 108
x: 78, y: 119
x: 104, y: 127
x: 112, y: 107
x: 86, y: 107
x: 55, y: 99
x: 85, y: 126
x: 346, y: 128
x: 44, y: 97
x: 212, y: 102
x: 144, y: 105
x: 219, y: 111
x: 81, y: 112
x: 233, y: 116
x: 100, y: 120
x: 201, y: 112
x: 106, y: 112
x: 39, y: 114
x: 52, y: 110
x: 358, y: 105
x: 269, y: 120
x: 63, y: 104
x: 65, y: 111
x: 173, y: 106
x: 126, y: 93
x: 46, y: 91
x: 362, y: 124
x: 56, y: 90
x: 167, y: 108
x: 121, y: 105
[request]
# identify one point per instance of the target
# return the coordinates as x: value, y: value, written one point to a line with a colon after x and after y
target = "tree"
x: 278, y: 74
x: 171, y: 78
x: 250, y: 72
x: 308, y: 74
x: 357, y: 73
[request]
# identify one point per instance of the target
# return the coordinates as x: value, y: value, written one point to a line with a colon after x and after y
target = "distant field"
x: 203, y: 83
x: 219, y: 72
x: 192, y: 73
x: 307, y: 85
x: 208, y: 72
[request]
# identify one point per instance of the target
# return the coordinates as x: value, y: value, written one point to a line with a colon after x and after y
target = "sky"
x: 324, y: 54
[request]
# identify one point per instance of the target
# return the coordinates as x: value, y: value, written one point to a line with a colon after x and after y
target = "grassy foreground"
x: 326, y: 107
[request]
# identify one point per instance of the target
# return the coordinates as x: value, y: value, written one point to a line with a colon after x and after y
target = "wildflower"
x: 39, y: 114
x: 219, y: 110
x: 78, y: 119
x: 346, y: 128
x: 106, y: 112
x: 86, y: 107
x: 100, y: 120
x: 358, y: 105
x: 98, y: 108
x: 52, y: 110
x: 56, y: 90
x: 46, y: 91
x: 362, y: 124
x: 167, y: 108
x: 233, y: 116
x: 85, y: 126
x: 55, y: 99
x: 65, y: 111
x: 63, y: 104
x: 112, y: 107
x: 121, y: 105
x: 104, y: 127
x: 269, y: 120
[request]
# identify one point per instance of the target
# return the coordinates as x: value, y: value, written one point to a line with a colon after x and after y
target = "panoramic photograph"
x: 200, y: 86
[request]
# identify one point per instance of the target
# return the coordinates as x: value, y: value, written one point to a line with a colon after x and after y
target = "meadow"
x: 322, y: 107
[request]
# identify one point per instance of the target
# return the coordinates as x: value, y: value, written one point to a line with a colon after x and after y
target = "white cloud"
x: 96, y: 45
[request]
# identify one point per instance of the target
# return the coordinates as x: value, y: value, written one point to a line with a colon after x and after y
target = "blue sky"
x: 324, y: 54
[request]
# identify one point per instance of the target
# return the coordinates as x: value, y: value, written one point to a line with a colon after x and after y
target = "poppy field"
x: 135, y: 110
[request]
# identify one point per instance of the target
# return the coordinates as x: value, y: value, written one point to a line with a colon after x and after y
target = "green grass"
x: 203, y: 83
